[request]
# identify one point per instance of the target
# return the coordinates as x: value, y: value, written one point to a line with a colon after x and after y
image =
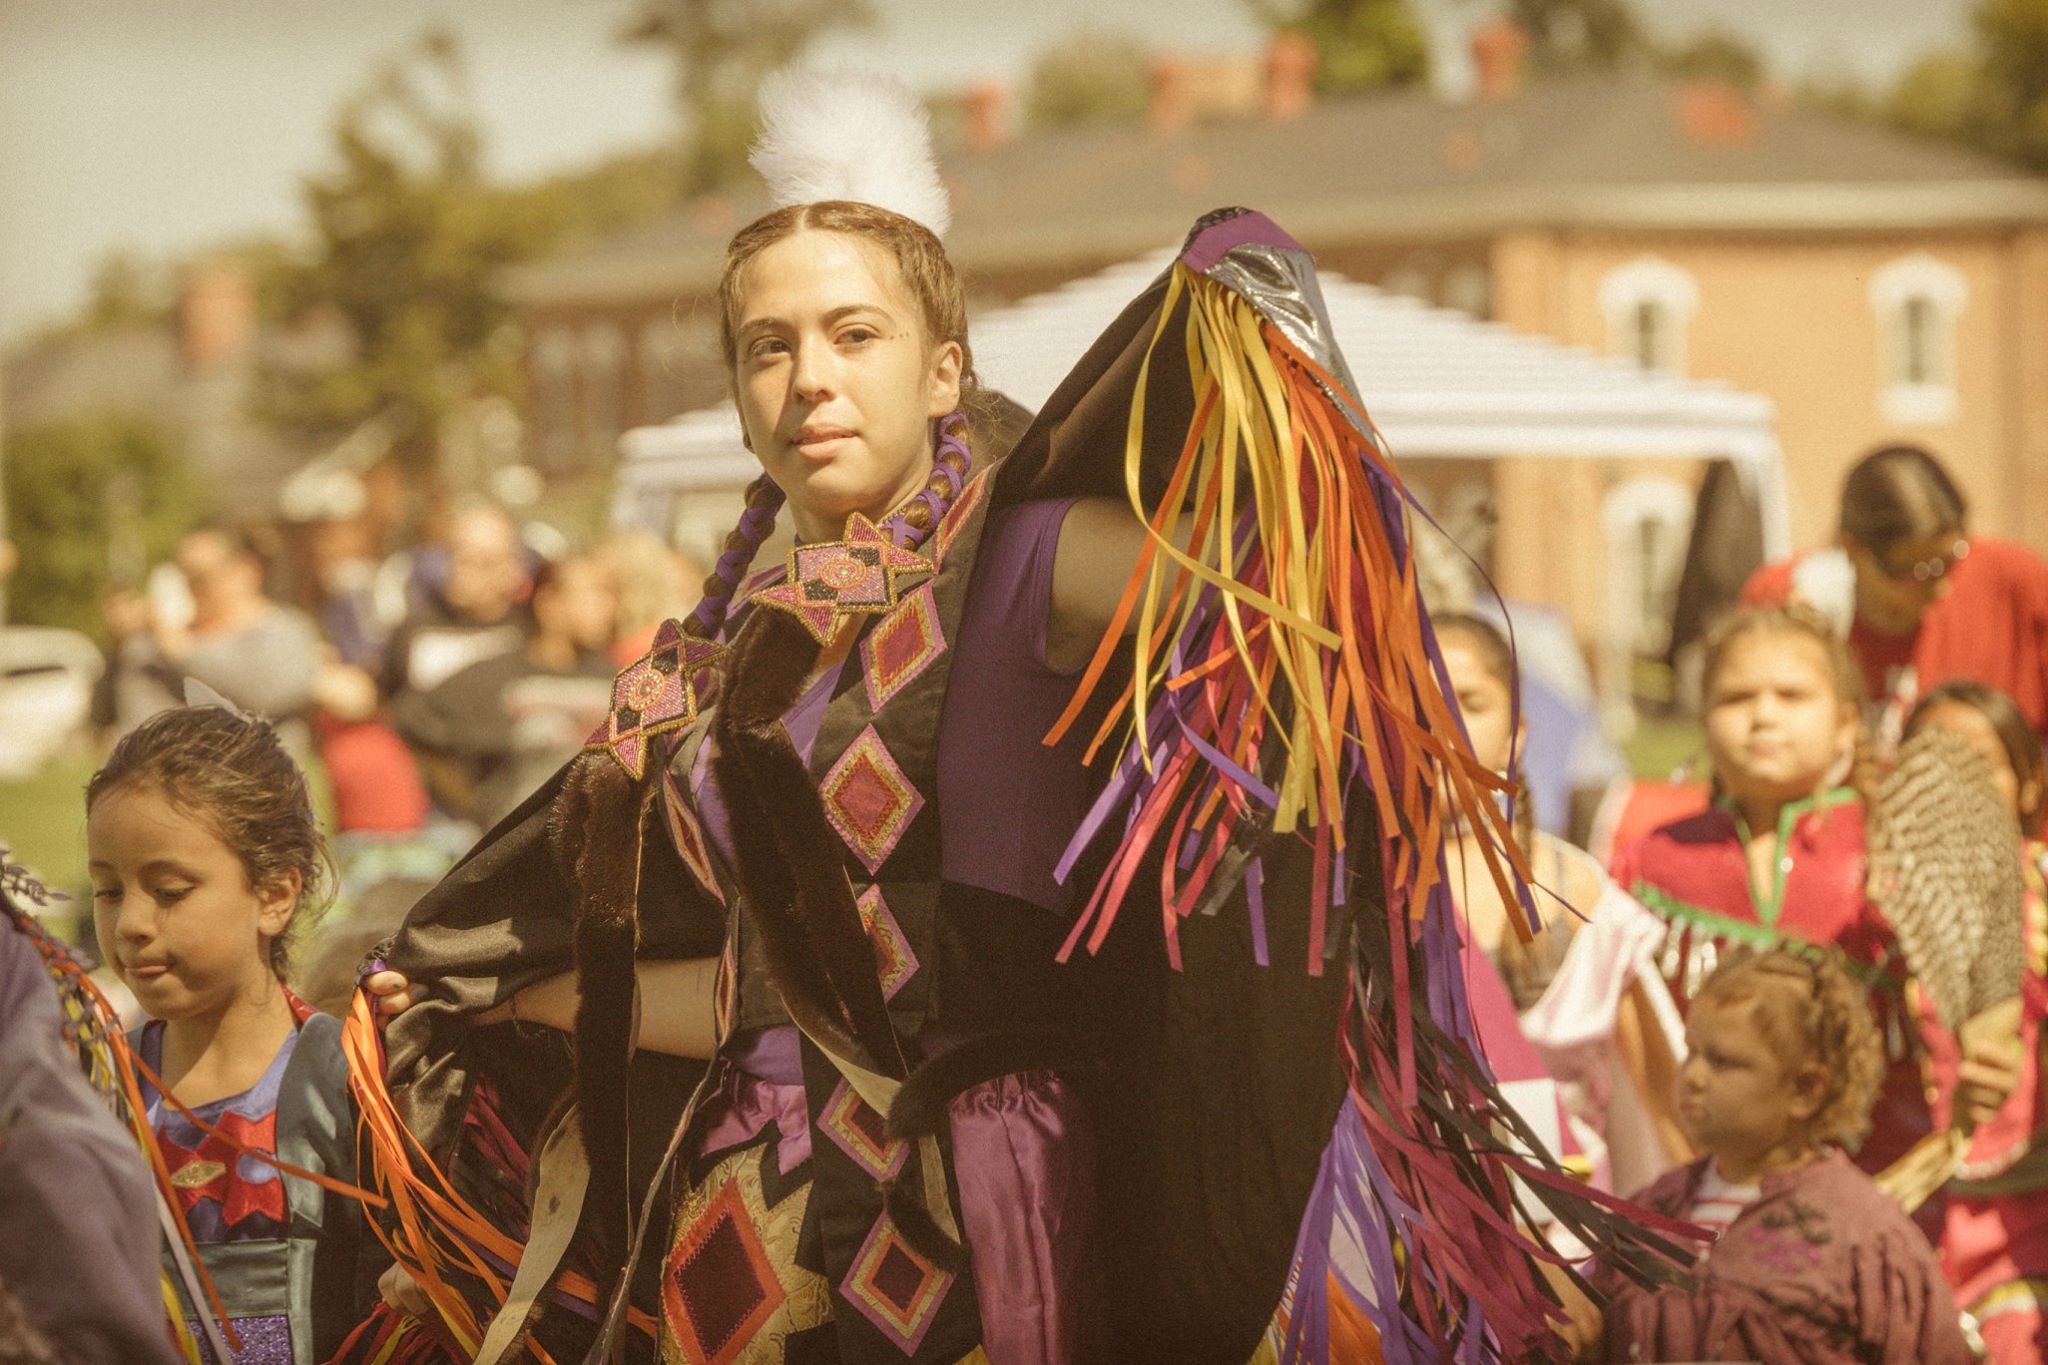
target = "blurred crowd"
x: 428, y: 690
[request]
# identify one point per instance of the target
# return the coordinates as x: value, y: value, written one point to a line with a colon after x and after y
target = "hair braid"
x: 950, y: 464
x: 1811, y: 1010
x: 742, y: 543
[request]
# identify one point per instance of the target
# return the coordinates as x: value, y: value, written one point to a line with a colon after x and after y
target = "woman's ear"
x: 1849, y: 728
x: 277, y: 901
x: 945, y: 379
x: 1809, y: 1090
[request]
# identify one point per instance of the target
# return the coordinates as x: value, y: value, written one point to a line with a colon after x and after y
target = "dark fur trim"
x: 792, y: 864
x: 903, y: 1199
x: 921, y: 1104
x: 599, y: 825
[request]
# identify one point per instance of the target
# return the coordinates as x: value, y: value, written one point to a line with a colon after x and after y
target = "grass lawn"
x: 1659, y: 747
x: 42, y: 818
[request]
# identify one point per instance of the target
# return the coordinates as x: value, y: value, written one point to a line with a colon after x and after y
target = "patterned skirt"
x: 744, y: 1280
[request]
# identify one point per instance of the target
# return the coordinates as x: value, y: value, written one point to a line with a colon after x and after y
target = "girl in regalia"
x: 1994, y: 1242
x: 1804, y: 846
x: 1809, y: 1262
x: 787, y: 1023
x: 204, y: 853
x: 1586, y: 990
x: 1780, y: 856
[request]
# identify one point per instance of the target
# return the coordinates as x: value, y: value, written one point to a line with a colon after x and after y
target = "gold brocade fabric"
x: 732, y: 1292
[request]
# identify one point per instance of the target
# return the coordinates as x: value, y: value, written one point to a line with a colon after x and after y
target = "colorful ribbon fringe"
x: 93, y: 1028
x: 438, y: 1232
x: 1283, y: 665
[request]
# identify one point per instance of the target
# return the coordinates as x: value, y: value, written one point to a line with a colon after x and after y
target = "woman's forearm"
x: 1647, y: 1058
x: 676, y: 1015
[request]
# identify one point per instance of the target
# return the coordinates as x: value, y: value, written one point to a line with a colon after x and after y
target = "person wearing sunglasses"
x: 1919, y: 599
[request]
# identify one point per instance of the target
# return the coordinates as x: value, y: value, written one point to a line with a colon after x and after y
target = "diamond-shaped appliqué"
x: 957, y: 515
x: 894, y: 961
x: 718, y: 1285
x: 869, y: 800
x: 732, y: 1288
x: 653, y: 696
x: 854, y: 1125
x: 894, y: 1287
x: 904, y: 645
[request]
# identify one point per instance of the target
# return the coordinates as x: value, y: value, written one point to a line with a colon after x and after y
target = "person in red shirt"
x: 1919, y: 599
x: 1780, y: 857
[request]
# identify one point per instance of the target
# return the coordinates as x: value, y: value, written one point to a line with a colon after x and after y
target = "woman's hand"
x: 1991, y: 1069
x: 1993, y: 1058
x: 397, y: 1287
x: 391, y: 994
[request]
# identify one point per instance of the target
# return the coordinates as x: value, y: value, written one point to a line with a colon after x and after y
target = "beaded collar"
x: 825, y: 582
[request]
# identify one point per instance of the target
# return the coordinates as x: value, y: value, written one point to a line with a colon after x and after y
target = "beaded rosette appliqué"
x: 656, y: 695
x: 830, y: 581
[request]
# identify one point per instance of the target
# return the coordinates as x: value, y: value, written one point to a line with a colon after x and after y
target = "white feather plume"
x: 846, y: 135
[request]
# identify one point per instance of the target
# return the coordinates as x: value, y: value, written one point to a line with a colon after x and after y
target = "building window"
x: 1469, y: 289
x: 1649, y: 305
x: 554, y: 398
x: 604, y: 387
x: 1917, y: 300
x: 661, y: 371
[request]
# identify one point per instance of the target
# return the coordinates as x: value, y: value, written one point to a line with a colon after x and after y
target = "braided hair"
x: 232, y: 772
x: 1810, y: 1010
x: 942, y: 308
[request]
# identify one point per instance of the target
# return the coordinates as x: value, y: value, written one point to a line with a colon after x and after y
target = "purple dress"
x: 1020, y: 1142
x: 226, y: 1197
x: 1822, y: 1269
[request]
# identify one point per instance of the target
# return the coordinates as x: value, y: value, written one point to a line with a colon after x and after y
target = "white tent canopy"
x: 1439, y: 384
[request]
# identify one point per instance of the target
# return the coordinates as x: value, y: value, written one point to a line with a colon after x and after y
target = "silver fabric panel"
x: 1281, y: 283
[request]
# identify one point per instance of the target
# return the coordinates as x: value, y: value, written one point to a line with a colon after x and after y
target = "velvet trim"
x: 598, y: 796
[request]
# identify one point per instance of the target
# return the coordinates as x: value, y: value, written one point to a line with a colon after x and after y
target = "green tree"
x: 1087, y: 77
x: 84, y: 495
x: 2010, y: 113
x: 574, y: 205
x: 407, y: 249
x: 1939, y: 95
x: 1578, y: 35
x: 1715, y: 55
x: 124, y: 292
x: 1360, y: 44
x: 721, y: 49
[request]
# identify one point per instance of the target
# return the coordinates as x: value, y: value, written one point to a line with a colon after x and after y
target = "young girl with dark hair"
x: 1918, y: 598
x: 1586, y: 988
x: 1994, y: 1240
x: 1809, y: 1262
x: 204, y: 857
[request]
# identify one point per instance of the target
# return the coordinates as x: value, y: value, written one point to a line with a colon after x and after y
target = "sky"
x: 164, y: 126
